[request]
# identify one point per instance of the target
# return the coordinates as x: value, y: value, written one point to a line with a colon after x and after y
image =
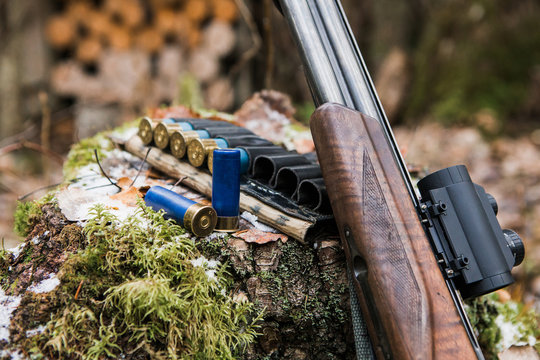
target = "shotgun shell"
x: 198, y: 219
x: 164, y: 130
x: 146, y: 129
x: 198, y: 149
x: 226, y: 188
x: 244, y: 161
x: 180, y: 139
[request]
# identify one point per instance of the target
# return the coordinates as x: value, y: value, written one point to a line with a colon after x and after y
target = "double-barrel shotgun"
x: 412, y: 258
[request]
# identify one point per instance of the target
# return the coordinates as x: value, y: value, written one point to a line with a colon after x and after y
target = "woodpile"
x: 134, y: 53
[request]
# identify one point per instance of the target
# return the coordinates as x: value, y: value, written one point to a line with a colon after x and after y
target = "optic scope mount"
x: 471, y: 248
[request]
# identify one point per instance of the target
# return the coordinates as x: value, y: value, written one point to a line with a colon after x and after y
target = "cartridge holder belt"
x: 290, y: 174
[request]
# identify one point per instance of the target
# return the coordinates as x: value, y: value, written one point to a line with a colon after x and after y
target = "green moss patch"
x: 499, y: 325
x: 82, y: 154
x: 137, y: 289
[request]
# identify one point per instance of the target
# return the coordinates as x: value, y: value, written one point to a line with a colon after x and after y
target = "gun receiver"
x: 408, y: 296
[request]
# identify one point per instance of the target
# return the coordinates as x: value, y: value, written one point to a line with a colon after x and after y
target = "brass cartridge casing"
x: 163, y: 132
x: 210, y: 161
x: 227, y: 223
x: 200, y: 219
x: 179, y: 141
x: 198, y: 149
x: 146, y: 129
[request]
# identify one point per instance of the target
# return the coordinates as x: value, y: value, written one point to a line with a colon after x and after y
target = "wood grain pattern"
x: 391, y: 254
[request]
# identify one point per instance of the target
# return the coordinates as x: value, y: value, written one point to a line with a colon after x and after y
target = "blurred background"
x: 459, y: 79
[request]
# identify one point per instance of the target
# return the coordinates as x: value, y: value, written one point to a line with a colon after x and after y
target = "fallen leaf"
x: 124, y: 182
x: 128, y: 196
x: 259, y: 236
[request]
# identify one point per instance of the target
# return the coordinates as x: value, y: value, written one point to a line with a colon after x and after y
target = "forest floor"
x: 508, y: 168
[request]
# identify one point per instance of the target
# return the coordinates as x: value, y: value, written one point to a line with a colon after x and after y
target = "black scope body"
x: 475, y: 253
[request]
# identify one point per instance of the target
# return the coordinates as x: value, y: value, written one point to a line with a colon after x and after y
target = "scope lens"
x: 493, y: 203
x: 515, y: 244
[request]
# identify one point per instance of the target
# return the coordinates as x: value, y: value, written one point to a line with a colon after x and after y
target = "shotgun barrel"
x: 412, y: 311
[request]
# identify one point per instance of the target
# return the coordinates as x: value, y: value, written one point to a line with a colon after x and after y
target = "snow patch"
x: 36, y: 331
x: 8, y: 304
x: 204, y: 262
x: 210, y: 266
x: 16, y: 251
x: 511, y: 334
x: 12, y: 354
x: 253, y: 220
x: 211, y: 274
x: 45, y: 285
x: 76, y: 203
x: 216, y: 235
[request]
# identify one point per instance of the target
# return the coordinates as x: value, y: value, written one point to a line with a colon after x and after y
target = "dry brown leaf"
x: 124, y: 182
x: 128, y: 196
x: 259, y: 236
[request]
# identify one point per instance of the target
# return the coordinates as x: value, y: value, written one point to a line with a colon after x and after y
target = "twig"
x: 178, y: 182
x: 103, y: 171
x: 99, y: 186
x: 31, y: 130
x: 78, y: 289
x: 140, y: 168
x: 32, y: 146
x: 23, y: 197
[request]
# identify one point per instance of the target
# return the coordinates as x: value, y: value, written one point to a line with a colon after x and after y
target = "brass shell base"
x: 198, y: 149
x: 227, y: 223
x: 200, y: 219
x: 161, y: 136
x: 146, y: 130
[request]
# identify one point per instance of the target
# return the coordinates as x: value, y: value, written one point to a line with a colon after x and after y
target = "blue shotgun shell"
x: 183, y: 124
x: 244, y: 161
x: 197, y: 218
x: 226, y: 188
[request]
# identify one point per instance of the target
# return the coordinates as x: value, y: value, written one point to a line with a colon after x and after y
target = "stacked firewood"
x: 134, y: 52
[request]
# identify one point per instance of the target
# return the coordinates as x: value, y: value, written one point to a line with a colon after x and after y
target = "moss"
x: 139, y: 293
x: 499, y: 325
x: 298, y: 289
x: 82, y: 154
x: 25, y: 214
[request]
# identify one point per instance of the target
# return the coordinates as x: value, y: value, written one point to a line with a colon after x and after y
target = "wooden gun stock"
x: 410, y: 311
